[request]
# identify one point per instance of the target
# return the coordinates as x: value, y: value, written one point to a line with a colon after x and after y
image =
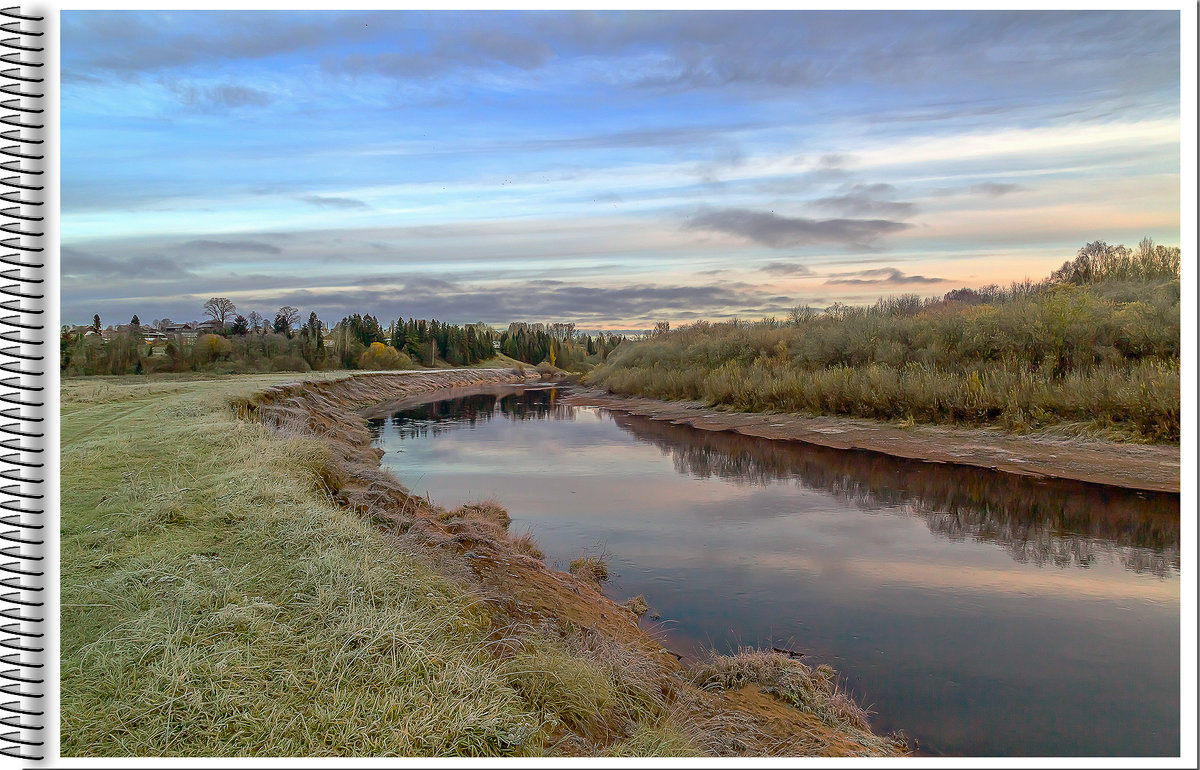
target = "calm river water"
x: 982, y: 613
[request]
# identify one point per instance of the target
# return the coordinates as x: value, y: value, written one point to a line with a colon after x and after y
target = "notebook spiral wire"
x: 22, y: 344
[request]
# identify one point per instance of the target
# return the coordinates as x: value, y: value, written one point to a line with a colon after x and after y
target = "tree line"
x: 232, y: 342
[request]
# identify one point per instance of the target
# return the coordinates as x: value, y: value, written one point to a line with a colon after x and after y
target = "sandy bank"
x: 1133, y: 466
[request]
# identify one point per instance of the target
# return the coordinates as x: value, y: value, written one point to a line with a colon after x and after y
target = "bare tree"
x: 290, y: 315
x: 661, y: 328
x: 255, y: 320
x: 219, y: 308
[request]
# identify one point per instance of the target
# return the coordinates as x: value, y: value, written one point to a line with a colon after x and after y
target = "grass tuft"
x: 812, y: 690
x: 592, y: 568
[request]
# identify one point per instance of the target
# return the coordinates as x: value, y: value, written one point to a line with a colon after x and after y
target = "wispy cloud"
x: 777, y: 231
x: 82, y: 264
x: 994, y: 189
x: 786, y: 268
x: 257, y: 247
x: 867, y: 200
x: 221, y: 96
x: 326, y: 202
x: 879, y: 276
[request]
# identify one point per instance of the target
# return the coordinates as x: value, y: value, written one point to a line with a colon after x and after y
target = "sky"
x: 613, y: 169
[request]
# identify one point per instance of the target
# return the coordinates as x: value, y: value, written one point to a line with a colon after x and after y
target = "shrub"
x: 1077, y: 352
x: 381, y: 356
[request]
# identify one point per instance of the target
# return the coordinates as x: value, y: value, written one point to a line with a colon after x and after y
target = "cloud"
x: 889, y: 276
x: 476, y: 45
x: 325, y: 202
x: 994, y: 189
x: 128, y: 43
x: 257, y: 247
x: 786, y: 268
x: 867, y: 200
x: 777, y: 231
x: 82, y: 264
x: 542, y: 299
x: 209, y: 98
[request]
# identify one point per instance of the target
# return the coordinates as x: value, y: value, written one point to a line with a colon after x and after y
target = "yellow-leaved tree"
x: 380, y: 356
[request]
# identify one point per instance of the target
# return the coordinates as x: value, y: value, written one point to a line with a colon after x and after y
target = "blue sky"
x: 611, y: 168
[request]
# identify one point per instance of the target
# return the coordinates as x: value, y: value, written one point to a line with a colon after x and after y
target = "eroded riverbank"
x: 735, y: 715
x: 1132, y: 466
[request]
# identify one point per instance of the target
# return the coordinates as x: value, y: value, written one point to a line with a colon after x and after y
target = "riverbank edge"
x: 1152, y: 468
x: 501, y: 567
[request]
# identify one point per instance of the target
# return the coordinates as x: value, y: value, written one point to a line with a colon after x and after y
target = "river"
x: 982, y: 613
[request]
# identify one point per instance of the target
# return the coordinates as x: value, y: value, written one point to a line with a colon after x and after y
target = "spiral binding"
x: 21, y: 326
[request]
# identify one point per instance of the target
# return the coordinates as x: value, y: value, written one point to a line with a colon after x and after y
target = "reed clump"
x: 814, y: 690
x: 591, y: 568
x: 1094, y: 349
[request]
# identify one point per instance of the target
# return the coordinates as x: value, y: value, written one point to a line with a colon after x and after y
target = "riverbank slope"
x: 1133, y: 466
x: 239, y: 577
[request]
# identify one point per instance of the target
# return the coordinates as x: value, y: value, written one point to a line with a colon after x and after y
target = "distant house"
x: 212, y: 326
x: 153, y: 336
x: 186, y: 330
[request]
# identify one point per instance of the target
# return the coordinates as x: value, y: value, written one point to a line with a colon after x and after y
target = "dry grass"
x: 593, y: 568
x: 812, y: 690
x: 213, y: 604
x: 228, y: 589
x: 637, y: 605
x: 1101, y: 359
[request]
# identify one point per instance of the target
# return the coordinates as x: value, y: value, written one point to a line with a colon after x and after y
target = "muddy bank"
x: 507, y: 572
x: 1132, y: 466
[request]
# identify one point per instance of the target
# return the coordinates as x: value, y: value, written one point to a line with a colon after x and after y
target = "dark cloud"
x: 545, y: 300
x: 129, y: 44
x: 257, y: 247
x: 867, y: 200
x: 325, y: 202
x: 889, y: 276
x: 777, y: 231
x: 82, y: 264
x: 786, y: 268
x: 1000, y: 53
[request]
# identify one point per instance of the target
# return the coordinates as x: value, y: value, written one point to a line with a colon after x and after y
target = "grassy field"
x: 217, y: 602
x: 214, y: 604
x: 1099, y: 359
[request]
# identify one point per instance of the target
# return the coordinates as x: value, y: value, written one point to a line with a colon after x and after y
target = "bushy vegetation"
x: 1094, y: 348
x: 257, y: 346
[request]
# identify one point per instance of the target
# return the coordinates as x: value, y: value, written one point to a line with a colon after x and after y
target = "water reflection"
x: 1037, y: 521
x: 437, y: 417
x: 986, y: 613
x: 1042, y: 522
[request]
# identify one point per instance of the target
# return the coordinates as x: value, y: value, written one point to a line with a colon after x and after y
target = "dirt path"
x: 1134, y: 466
